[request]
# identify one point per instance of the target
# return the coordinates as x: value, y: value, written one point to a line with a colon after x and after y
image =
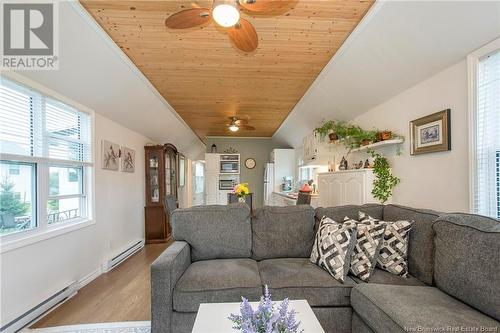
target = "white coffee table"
x: 212, y: 317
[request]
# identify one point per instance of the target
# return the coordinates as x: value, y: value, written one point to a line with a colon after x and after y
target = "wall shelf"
x: 379, y: 144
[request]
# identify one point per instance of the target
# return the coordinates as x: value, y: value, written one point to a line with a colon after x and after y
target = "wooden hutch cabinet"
x: 161, y: 180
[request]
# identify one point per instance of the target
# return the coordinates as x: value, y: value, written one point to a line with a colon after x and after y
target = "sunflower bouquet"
x: 241, y: 190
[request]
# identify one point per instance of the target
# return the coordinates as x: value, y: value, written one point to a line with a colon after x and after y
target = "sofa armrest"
x: 165, y: 271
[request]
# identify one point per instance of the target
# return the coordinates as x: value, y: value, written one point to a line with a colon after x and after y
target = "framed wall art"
x: 110, y: 155
x: 128, y: 159
x: 431, y: 133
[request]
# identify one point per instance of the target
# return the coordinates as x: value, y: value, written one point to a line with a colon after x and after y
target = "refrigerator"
x: 268, y: 183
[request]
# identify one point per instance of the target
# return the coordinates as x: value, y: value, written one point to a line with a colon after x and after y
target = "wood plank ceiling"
x: 206, y: 79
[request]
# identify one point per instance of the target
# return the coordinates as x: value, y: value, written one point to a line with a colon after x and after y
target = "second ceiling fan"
x: 226, y: 14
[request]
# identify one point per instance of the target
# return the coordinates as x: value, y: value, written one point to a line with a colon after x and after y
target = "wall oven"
x: 227, y: 184
x: 230, y: 163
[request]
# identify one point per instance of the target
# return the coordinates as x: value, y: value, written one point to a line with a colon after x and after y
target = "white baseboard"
x: 31, y: 316
x: 122, y: 255
x: 89, y: 278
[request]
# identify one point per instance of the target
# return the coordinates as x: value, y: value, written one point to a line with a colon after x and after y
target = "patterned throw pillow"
x: 333, y: 246
x: 370, y: 237
x: 393, y: 255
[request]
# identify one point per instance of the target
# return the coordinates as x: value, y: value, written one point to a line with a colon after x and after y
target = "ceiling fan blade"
x: 248, y: 128
x: 188, y: 18
x: 241, y: 121
x: 244, y: 36
x: 263, y: 5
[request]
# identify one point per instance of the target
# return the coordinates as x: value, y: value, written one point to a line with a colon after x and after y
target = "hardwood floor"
x: 120, y: 295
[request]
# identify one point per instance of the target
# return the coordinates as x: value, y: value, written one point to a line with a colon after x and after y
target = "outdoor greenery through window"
x: 17, y: 196
x: 45, y: 160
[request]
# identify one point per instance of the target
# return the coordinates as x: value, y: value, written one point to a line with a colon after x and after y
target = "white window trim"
x: 44, y: 231
x: 472, y: 65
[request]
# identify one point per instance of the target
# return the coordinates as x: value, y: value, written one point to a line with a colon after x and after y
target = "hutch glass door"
x: 154, y: 185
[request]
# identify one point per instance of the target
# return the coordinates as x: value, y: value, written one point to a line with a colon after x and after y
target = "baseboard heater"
x: 119, y: 258
x: 32, y: 314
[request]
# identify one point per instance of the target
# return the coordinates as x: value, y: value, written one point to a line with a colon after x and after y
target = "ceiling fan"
x: 226, y: 14
x: 236, y: 124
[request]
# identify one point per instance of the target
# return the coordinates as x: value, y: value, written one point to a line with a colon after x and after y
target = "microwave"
x: 229, y: 163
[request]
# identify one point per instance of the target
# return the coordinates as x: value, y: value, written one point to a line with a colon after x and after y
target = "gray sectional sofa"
x: 221, y: 253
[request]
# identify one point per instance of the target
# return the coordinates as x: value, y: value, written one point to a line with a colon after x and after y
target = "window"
x: 13, y: 169
x: 44, y: 143
x: 66, y: 198
x: 199, y: 177
x: 17, y: 197
x: 485, y: 152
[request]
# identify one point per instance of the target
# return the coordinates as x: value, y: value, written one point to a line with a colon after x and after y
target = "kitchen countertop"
x: 293, y: 195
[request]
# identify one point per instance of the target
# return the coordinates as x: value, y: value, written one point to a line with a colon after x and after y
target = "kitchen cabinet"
x: 350, y: 187
x: 310, y: 148
x: 212, y: 162
x: 211, y: 187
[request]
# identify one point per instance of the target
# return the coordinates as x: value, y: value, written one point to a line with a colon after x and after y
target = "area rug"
x: 118, y: 327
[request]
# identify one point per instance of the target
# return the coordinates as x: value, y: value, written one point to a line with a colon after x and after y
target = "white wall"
x: 32, y: 273
x: 436, y: 180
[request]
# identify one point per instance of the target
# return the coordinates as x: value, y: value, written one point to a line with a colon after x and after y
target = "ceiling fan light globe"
x: 225, y: 15
x: 234, y: 128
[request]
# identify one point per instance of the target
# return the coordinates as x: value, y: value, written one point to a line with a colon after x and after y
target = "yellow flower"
x: 241, y: 189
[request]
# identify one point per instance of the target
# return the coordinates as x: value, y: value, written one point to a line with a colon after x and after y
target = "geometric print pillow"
x: 333, y: 246
x: 393, y: 255
x: 370, y: 237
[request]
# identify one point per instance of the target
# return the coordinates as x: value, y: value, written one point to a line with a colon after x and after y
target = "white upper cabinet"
x: 310, y: 146
x: 212, y: 162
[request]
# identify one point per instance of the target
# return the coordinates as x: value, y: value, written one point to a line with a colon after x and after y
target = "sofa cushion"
x: 381, y: 276
x: 388, y: 308
x: 467, y: 260
x: 393, y: 254
x: 214, y: 232
x: 369, y: 239
x: 283, y: 232
x: 298, y: 278
x: 333, y: 246
x: 351, y: 211
x: 217, y: 281
x: 420, y: 246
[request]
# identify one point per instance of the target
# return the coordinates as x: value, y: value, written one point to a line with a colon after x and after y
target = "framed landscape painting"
x: 431, y: 133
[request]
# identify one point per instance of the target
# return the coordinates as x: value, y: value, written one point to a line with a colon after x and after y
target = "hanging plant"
x: 384, y: 181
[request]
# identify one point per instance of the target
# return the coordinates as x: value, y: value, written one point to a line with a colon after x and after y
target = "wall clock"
x: 250, y: 163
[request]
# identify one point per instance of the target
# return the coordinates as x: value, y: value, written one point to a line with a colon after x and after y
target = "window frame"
x: 472, y: 71
x: 43, y: 230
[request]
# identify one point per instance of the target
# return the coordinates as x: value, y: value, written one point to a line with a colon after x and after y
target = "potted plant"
x: 267, y: 317
x: 241, y: 191
x: 384, y: 181
x: 384, y: 135
x: 327, y: 128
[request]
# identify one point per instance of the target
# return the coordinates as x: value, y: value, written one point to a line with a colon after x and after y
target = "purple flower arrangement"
x: 268, y: 318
